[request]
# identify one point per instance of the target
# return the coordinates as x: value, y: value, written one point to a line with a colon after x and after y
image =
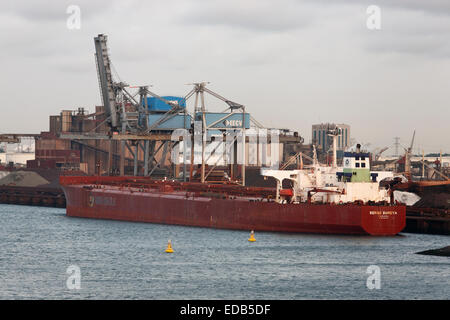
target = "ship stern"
x: 383, y: 220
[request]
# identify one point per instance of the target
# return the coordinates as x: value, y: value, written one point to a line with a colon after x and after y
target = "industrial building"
x: 91, y: 156
x: 324, y: 142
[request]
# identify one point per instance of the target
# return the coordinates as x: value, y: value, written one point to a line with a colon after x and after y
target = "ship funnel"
x: 358, y: 148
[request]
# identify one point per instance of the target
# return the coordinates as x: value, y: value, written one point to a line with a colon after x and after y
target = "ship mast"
x: 334, y: 133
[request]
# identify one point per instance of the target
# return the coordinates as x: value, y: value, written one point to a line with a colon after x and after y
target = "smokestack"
x: 358, y: 148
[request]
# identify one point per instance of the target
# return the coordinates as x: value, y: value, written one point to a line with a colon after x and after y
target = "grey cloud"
x: 40, y: 11
x: 263, y: 16
x: 429, y: 6
x: 432, y: 46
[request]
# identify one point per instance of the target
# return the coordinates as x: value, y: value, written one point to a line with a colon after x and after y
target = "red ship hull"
x: 179, y: 207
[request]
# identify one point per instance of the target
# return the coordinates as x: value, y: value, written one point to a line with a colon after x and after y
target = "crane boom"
x: 105, y: 79
x: 378, y: 154
x: 412, y: 141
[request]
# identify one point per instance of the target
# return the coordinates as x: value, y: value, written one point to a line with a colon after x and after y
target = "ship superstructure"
x: 353, y: 182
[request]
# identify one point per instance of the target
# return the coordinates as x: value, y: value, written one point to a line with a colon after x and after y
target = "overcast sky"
x: 291, y: 63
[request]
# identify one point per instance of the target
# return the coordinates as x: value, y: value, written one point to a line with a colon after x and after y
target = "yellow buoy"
x: 252, y: 236
x: 169, y: 247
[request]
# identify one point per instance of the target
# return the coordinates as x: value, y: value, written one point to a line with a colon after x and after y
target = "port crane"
x: 116, y: 97
x: 127, y: 114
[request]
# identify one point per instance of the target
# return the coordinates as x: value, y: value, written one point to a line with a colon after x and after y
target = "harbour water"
x: 123, y: 260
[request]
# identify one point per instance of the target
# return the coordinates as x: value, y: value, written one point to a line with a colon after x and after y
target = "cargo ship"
x: 321, y: 199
